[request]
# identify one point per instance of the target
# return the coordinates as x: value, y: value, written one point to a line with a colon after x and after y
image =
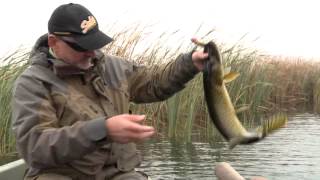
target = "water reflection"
x: 290, y: 154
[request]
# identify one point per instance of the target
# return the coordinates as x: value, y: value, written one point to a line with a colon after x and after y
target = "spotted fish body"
x: 220, y: 107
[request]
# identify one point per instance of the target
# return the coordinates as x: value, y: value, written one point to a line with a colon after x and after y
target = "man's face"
x: 64, y: 51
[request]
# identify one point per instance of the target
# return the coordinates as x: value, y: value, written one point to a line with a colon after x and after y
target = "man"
x: 70, y: 107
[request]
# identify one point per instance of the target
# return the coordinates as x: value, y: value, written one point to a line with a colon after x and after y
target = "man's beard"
x: 85, y: 65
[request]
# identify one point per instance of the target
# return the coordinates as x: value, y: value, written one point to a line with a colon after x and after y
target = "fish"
x: 220, y: 108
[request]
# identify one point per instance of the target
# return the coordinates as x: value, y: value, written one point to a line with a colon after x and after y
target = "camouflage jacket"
x: 59, y: 111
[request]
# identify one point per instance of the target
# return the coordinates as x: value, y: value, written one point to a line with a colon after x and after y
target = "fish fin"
x: 234, y: 141
x: 243, y: 108
x: 273, y: 123
x: 230, y: 77
x: 227, y: 70
x: 248, y: 138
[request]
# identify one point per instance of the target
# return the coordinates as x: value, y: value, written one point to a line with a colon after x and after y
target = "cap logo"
x: 87, y: 25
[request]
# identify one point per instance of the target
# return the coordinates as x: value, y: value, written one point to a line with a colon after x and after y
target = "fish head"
x: 213, y: 66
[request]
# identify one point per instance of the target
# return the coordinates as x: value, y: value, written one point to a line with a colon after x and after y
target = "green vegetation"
x: 12, y: 66
x: 266, y: 85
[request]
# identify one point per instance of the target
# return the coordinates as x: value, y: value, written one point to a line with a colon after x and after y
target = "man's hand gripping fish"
x: 220, y: 107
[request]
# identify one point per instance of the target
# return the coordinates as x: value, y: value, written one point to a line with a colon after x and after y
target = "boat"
x: 13, y: 170
x: 16, y: 169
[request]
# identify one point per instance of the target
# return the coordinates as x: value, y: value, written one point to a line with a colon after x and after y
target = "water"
x: 292, y: 153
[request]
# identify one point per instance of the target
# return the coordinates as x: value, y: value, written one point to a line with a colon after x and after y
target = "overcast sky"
x: 279, y: 27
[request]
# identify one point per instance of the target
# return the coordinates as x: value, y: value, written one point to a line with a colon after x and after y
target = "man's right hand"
x: 127, y: 128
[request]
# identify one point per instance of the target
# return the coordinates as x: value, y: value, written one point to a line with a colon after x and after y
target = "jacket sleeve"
x: 160, y: 82
x: 40, y: 140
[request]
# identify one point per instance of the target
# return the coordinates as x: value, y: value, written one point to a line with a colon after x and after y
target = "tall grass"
x: 266, y: 84
x: 12, y: 66
x: 316, y: 97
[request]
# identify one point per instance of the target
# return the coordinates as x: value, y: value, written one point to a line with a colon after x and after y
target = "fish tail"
x: 248, y: 138
x: 273, y: 123
x: 234, y: 141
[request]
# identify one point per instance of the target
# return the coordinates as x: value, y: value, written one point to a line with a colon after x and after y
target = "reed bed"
x: 266, y: 85
x: 12, y: 66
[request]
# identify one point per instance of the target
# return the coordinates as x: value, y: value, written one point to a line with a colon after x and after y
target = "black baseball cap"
x: 76, y: 21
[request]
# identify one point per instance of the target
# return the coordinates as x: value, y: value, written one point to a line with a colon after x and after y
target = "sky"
x: 275, y: 27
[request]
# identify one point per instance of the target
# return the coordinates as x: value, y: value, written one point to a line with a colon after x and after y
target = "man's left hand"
x: 198, y: 59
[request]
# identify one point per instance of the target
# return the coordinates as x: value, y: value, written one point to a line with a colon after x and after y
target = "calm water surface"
x: 292, y: 153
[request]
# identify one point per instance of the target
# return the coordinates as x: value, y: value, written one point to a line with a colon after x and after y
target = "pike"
x: 220, y: 107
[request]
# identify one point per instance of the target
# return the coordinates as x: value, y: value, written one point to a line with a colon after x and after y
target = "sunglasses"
x: 73, y: 45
